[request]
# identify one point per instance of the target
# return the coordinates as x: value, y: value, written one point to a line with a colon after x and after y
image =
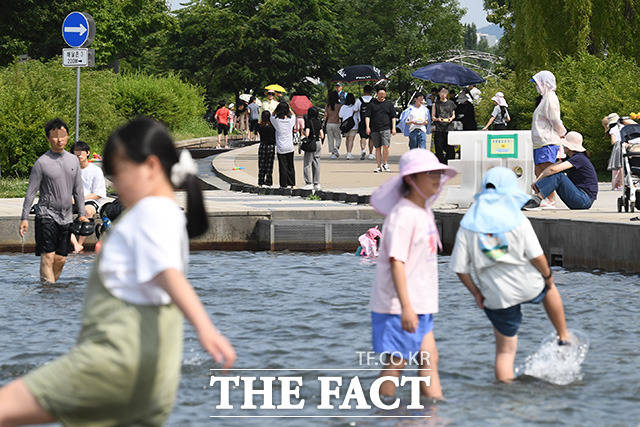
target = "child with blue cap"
x: 497, y: 242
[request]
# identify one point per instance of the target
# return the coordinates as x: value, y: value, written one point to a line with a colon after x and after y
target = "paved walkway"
x: 340, y: 175
x: 356, y: 176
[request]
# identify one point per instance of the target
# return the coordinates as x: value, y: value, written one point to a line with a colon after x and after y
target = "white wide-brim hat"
x: 413, y: 161
x: 573, y: 141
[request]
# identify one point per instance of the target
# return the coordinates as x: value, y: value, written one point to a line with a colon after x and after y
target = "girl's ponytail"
x: 143, y: 137
x: 183, y: 174
x: 197, y: 219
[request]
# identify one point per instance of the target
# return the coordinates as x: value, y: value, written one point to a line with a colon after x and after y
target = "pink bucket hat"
x: 413, y: 161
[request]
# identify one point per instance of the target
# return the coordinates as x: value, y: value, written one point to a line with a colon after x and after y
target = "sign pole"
x: 77, y: 104
x: 78, y: 31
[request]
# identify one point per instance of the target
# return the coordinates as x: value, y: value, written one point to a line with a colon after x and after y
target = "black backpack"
x: 364, y: 107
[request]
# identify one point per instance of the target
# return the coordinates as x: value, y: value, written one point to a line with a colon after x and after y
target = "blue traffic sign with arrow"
x: 78, y: 29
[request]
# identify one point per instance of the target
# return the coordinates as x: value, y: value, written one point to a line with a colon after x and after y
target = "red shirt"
x: 222, y: 115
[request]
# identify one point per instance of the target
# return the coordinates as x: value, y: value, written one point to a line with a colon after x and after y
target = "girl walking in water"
x: 125, y: 367
x: 405, y: 294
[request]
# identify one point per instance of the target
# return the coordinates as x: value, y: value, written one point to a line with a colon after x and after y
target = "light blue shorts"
x: 388, y: 336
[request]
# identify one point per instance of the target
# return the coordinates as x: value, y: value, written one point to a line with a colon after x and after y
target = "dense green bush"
x: 589, y: 88
x: 33, y: 92
x: 167, y: 98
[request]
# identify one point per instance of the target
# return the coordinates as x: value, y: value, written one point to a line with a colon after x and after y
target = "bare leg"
x: 349, y: 143
x: 19, y: 407
x: 46, y: 267
x: 428, y: 345
x: 378, y: 155
x: 505, y: 355
x: 370, y: 146
x: 555, y: 311
x: 363, y: 144
x: 539, y: 168
x: 385, y: 151
x: 219, y: 140
x: 90, y: 213
x: 58, y: 264
x: 393, y: 368
x: 77, y: 243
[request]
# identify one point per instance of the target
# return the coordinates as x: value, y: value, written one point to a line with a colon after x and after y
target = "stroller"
x: 630, y: 199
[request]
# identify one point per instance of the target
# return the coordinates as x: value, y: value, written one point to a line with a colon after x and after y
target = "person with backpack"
x: 363, y: 107
x: 350, y: 116
x: 314, y: 134
x: 283, y: 121
x: 500, y: 115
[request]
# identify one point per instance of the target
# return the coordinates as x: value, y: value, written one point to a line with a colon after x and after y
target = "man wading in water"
x: 57, y: 176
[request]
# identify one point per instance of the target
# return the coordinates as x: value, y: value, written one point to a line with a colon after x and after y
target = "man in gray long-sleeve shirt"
x: 56, y: 174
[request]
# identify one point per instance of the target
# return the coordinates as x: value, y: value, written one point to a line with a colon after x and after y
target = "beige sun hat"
x: 573, y: 141
x: 613, y: 118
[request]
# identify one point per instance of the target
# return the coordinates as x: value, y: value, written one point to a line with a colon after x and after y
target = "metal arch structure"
x: 463, y: 56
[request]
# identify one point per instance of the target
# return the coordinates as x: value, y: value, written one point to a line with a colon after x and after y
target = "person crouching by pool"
x: 497, y: 242
x: 95, y: 189
x: 125, y: 367
x: 405, y: 294
x: 575, y: 180
x: 56, y: 176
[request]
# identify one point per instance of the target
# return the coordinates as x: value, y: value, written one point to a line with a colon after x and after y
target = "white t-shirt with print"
x: 93, y: 181
x: 510, y: 280
x: 150, y: 238
x: 347, y: 111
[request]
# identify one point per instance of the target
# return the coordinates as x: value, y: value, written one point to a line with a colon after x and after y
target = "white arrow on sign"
x: 81, y: 29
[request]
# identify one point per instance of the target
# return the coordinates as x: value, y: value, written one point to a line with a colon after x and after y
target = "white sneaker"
x: 317, y: 187
x: 308, y: 187
x: 378, y: 169
x: 385, y: 167
x: 333, y: 156
x: 371, y: 156
x: 349, y: 156
x: 546, y: 204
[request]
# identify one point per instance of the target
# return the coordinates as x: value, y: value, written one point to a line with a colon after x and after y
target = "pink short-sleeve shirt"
x: 409, y: 235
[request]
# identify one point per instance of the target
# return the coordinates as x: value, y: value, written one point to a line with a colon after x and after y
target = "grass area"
x: 13, y: 187
x: 194, y: 128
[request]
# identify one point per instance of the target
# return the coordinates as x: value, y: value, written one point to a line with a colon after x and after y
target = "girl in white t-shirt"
x: 497, y: 242
x: 125, y: 367
x: 405, y: 294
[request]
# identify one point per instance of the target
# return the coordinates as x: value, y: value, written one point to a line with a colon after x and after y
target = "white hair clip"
x: 185, y: 167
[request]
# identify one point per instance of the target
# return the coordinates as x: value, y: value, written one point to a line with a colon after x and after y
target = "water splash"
x: 557, y: 364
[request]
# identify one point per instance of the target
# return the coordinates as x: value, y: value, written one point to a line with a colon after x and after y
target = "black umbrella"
x: 449, y: 73
x: 358, y: 73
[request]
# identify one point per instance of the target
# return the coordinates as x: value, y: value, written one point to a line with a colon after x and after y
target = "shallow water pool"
x: 309, y: 311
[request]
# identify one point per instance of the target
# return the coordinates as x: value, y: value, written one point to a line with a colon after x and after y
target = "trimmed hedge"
x: 33, y: 92
x: 589, y: 88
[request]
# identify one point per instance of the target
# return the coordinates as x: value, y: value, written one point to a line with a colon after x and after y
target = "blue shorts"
x: 507, y: 320
x: 388, y: 336
x: 546, y: 154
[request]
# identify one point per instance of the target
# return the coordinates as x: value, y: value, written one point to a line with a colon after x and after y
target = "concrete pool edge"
x: 571, y: 243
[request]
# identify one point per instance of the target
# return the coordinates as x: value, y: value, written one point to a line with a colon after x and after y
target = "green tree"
x: 470, y: 37
x: 400, y: 38
x: 125, y: 29
x: 237, y: 46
